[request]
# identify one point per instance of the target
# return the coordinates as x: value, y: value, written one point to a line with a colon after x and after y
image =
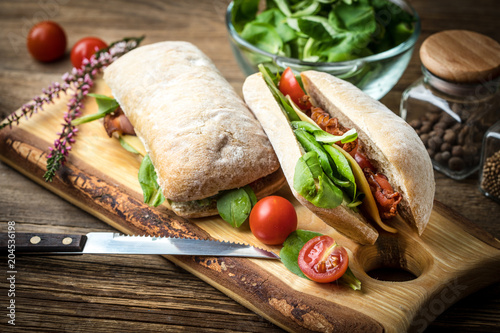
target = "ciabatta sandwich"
x: 394, y: 173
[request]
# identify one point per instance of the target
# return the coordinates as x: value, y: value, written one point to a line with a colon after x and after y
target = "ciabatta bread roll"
x: 201, y: 137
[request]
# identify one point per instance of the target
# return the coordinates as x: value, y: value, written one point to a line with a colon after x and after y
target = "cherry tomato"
x: 289, y: 85
x: 46, y: 41
x: 363, y: 162
x: 272, y: 219
x: 322, y: 260
x: 85, y: 48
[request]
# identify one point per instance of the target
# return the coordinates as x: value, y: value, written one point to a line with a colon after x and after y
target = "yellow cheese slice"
x: 135, y: 143
x: 369, y: 203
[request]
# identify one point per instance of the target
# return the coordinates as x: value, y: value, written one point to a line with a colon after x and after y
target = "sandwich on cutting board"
x: 351, y: 185
x: 200, y: 136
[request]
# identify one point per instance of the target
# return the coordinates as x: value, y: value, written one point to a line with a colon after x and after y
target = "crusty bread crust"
x: 260, y: 100
x: 388, y: 141
x: 200, y: 135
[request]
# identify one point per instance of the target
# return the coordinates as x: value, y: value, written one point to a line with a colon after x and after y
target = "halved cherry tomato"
x: 289, y: 85
x: 272, y: 219
x: 46, y: 41
x: 85, y: 48
x: 322, y: 260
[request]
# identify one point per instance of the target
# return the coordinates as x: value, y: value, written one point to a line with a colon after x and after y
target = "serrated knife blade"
x: 115, y: 243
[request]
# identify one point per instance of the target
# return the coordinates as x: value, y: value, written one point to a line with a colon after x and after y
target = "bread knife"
x: 115, y: 243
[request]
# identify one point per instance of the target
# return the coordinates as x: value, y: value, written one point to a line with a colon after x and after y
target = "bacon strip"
x: 118, y: 122
x: 385, y: 196
x: 387, y: 200
x: 332, y: 126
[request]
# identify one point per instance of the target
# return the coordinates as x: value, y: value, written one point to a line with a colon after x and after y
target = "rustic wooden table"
x: 148, y: 293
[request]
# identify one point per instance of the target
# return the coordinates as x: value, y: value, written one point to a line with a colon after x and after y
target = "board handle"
x: 20, y: 242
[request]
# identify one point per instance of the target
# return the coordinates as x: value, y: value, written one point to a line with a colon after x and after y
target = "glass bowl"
x: 376, y: 74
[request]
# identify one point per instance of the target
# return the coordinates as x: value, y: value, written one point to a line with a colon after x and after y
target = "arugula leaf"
x: 105, y: 106
x: 234, y: 206
x: 289, y: 255
x: 152, y: 193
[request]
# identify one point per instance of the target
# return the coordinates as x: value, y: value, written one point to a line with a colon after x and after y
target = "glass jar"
x: 455, y: 102
x: 489, y: 177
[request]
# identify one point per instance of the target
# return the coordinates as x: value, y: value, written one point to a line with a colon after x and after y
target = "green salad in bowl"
x: 366, y: 42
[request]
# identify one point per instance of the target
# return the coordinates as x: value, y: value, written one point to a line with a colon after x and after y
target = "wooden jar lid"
x: 461, y: 56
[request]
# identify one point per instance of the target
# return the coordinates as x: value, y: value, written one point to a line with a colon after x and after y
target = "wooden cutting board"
x: 452, y: 259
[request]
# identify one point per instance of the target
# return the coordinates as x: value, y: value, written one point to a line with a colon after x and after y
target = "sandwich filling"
x: 387, y: 199
x: 353, y: 175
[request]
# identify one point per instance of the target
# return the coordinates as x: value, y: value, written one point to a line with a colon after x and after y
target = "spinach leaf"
x: 308, y: 142
x: 153, y: 195
x: 316, y: 27
x: 234, y: 206
x: 243, y: 11
x: 264, y: 36
x: 343, y: 168
x: 304, y: 125
x: 325, y: 137
x: 105, y: 106
x: 275, y: 18
x: 323, y: 30
x: 311, y: 182
x: 289, y: 253
x: 306, y: 8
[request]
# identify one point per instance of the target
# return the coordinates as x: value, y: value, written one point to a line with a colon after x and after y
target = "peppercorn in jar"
x: 489, y: 180
x: 457, y: 99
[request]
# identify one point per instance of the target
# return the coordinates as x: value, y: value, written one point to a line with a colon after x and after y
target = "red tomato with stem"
x: 289, y: 85
x: 46, y: 41
x: 322, y: 260
x: 272, y: 219
x: 84, y: 49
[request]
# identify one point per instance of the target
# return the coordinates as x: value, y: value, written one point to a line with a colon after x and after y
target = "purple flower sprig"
x: 27, y: 110
x: 79, y: 81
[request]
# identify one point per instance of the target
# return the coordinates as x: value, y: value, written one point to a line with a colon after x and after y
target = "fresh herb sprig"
x: 78, y: 81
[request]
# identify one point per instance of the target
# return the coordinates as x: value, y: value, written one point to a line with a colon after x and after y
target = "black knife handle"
x: 39, y: 242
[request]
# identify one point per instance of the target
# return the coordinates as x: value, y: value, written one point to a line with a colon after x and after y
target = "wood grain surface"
x: 127, y: 293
